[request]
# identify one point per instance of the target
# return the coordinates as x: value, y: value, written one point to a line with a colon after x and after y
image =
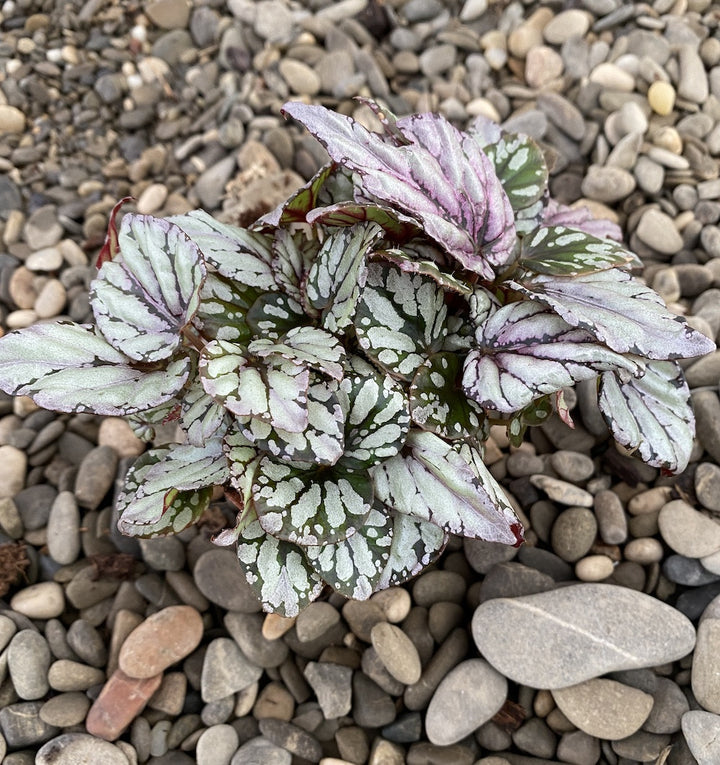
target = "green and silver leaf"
x: 520, y: 166
x: 277, y: 571
x: 311, y: 507
x: 400, y: 319
x: 354, y: 566
x: 406, y: 262
x: 293, y: 254
x: 396, y: 226
x: 224, y: 304
x: 273, y: 314
x: 437, y: 400
x: 201, y: 417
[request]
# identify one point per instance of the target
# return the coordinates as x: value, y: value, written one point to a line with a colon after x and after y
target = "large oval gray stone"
x: 700, y: 729
x: 79, y: 749
x: 562, y: 637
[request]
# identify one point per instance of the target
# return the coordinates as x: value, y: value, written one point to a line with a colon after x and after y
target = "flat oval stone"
x: 470, y: 695
x: 77, y: 748
x: 688, y: 531
x: 565, y: 636
x: 163, y: 639
x: 28, y: 660
x: 65, y: 709
x: 397, y: 652
x: 706, y: 665
x: 700, y: 729
x: 604, y: 708
x: 44, y: 600
x: 221, y: 580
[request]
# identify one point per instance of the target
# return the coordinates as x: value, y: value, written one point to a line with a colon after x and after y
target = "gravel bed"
x: 598, y: 641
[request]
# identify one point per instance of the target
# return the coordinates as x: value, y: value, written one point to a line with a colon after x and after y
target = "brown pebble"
x: 119, y: 703
x: 163, y: 639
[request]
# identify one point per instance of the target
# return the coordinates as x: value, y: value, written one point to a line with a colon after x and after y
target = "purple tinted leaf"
x: 651, y: 415
x: 144, y: 298
x: 224, y: 304
x: 299, y: 204
x: 110, y: 246
x: 557, y: 214
x: 527, y: 351
x: 71, y: 368
x: 293, y: 254
x: 443, y: 179
x: 485, y: 131
x: 619, y: 311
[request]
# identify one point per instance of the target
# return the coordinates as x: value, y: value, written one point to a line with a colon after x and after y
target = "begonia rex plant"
x: 337, y: 365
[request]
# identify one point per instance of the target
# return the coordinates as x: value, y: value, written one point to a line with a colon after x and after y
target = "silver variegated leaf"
x: 320, y: 442
x: 242, y: 255
x: 277, y: 571
x: 527, y: 351
x: 620, y: 311
x: 437, y: 401
x: 557, y: 214
x: 201, y: 417
x: 415, y: 545
x: 309, y: 346
x: 482, y: 304
x: 484, y: 131
x: 566, y: 251
x: 448, y: 486
x: 273, y: 314
x: 409, y: 264
x: 170, y: 480
x: 396, y: 225
x: 442, y: 179
x: 355, y: 566
x: 400, y: 319
x: 299, y: 204
x: 243, y: 459
x: 311, y: 507
x: 293, y: 254
x: 223, y: 308
x: 71, y: 367
x: 273, y: 390
x: 144, y: 298
x: 338, y: 274
x: 144, y: 423
x: 460, y: 335
x: 520, y: 166
x: 376, y: 420
x: 651, y: 415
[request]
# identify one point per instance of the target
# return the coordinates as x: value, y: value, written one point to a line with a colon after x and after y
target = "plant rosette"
x: 337, y: 365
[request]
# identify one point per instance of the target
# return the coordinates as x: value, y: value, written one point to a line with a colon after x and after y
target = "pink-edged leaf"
x: 72, y: 368
x: 620, y: 311
x: 396, y: 226
x: 557, y: 214
x: 407, y: 263
x: 144, y: 298
x: 448, y: 486
x: 201, y: 417
x: 299, y: 204
x: 526, y: 351
x: 166, y: 489
x: 237, y: 253
x: 651, y: 415
x: 319, y: 506
x: 563, y: 410
x: 274, y: 390
x: 110, y: 246
x: 442, y: 179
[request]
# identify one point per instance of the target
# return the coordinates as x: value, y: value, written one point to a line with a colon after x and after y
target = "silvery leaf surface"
x: 448, y: 486
x: 144, y: 297
x: 557, y: 214
x: 273, y: 314
x: 377, y: 419
x: 71, y: 367
x: 563, y: 251
x: 274, y: 390
x: 354, y: 566
x: 485, y: 131
x: 651, y: 415
x: 400, y: 319
x: 405, y: 262
x: 201, y: 417
x: 442, y: 179
x: 620, y: 311
x: 166, y: 487
x: 309, y: 346
x: 237, y: 253
x: 526, y: 351
x: 415, y: 545
x: 311, y: 507
x: 224, y: 304
x: 293, y: 254
x: 320, y: 442
x: 143, y: 423
x: 437, y: 401
x: 338, y: 274
x: 520, y: 165
x: 397, y: 226
x: 277, y: 571
x: 243, y: 459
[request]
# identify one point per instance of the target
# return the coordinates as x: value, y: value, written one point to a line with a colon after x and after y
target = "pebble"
x: 247, y: 631
x: 397, y: 652
x: 607, y: 184
x: 78, y: 748
x: 611, y: 519
x: 226, y: 670
x: 292, y: 738
x: 657, y: 230
x: 163, y: 639
x: 66, y: 676
x: 688, y: 531
x: 705, y: 675
x: 661, y: 97
x: 95, y: 476
x: 44, y: 600
x: 372, y: 708
x: 65, y: 709
x: 604, y: 708
x: 700, y: 730
x: 118, y: 434
x: 63, y: 529
x: 594, y: 568
x: 542, y: 66
x: 217, y: 745
x: 12, y: 120
x: 28, y: 660
x: 315, y: 621
x: 578, y: 632
x: 301, y: 79
x: 470, y: 695
x: 261, y: 751
x: 573, y: 533
x: 332, y: 684
x: 669, y: 705
x: 13, y: 463
x: 22, y: 727
x: 220, y: 579
x: 567, y: 24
